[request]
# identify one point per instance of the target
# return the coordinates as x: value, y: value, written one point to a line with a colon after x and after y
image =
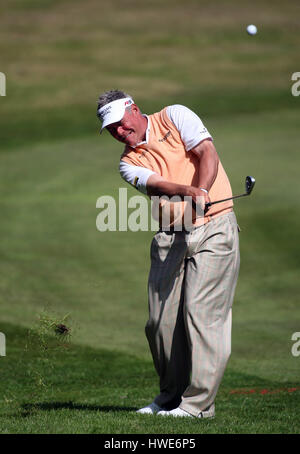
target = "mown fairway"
x: 57, y: 57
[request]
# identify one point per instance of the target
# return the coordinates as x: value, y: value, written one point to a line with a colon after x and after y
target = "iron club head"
x: 249, y: 184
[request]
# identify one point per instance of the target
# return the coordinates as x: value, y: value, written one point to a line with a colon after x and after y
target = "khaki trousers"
x: 191, y: 287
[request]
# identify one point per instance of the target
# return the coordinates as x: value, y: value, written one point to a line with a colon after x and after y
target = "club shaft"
x: 224, y: 200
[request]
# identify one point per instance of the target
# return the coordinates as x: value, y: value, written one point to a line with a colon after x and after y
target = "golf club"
x: 249, y: 185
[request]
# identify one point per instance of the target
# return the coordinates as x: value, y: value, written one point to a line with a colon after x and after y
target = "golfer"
x: 194, y: 270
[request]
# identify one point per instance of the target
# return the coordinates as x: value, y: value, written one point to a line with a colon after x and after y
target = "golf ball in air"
x: 251, y: 30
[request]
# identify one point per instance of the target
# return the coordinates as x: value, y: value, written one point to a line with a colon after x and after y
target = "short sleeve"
x: 189, y: 125
x: 135, y: 175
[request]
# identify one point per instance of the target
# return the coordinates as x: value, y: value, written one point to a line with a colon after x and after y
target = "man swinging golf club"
x: 193, y: 272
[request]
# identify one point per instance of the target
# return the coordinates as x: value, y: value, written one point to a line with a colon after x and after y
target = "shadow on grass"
x: 28, y: 408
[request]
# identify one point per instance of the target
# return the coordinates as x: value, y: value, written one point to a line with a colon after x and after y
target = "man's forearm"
x: 160, y: 187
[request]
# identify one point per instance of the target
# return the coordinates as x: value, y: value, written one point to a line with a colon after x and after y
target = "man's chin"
x: 131, y: 142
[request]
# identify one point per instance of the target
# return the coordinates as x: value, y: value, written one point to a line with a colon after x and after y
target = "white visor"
x: 114, y: 111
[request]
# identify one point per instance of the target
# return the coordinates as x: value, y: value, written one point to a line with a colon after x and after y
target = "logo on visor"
x: 105, y: 112
x: 128, y: 103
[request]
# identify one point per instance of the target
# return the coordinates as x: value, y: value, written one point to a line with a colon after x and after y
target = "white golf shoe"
x: 178, y: 412
x: 151, y: 409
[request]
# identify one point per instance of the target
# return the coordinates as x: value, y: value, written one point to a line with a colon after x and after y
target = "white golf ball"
x: 251, y: 29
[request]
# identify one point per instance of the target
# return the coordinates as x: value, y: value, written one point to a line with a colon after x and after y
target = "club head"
x: 249, y: 184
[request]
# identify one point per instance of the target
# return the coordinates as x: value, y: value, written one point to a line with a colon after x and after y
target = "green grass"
x: 88, y: 390
x: 58, y: 56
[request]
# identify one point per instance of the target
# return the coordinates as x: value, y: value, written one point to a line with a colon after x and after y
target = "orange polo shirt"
x: 165, y: 154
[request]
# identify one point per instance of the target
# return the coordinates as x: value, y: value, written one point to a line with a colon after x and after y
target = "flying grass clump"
x: 47, y: 344
x: 51, y: 332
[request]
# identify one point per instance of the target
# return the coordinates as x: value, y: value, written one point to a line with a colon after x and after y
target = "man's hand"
x: 199, y: 197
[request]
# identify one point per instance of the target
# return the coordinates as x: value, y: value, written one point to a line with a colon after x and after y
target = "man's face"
x: 131, y: 129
